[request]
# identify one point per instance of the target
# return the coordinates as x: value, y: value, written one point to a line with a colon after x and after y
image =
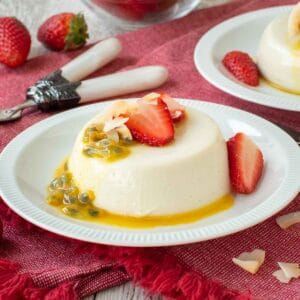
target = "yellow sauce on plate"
x: 278, y: 87
x: 88, y: 212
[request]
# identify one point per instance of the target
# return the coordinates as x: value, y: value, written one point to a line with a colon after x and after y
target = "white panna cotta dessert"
x: 189, y: 172
x: 278, y: 56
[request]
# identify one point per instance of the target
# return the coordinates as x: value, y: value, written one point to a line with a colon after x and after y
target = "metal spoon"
x: 49, y: 97
x: 83, y: 65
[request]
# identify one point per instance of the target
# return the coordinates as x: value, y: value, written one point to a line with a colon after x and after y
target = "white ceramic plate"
x: 28, y: 162
x: 241, y: 33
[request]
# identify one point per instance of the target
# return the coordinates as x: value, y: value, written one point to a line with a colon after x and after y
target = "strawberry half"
x: 151, y: 123
x: 242, y: 67
x: 245, y: 163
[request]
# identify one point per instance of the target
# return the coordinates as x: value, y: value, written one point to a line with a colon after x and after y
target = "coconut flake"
x: 250, y: 261
x: 279, y: 274
x: 290, y: 270
x: 113, y: 135
x: 287, y: 272
x: 119, y: 107
x: 124, y: 133
x: 288, y: 220
x: 114, y: 123
x: 151, y: 97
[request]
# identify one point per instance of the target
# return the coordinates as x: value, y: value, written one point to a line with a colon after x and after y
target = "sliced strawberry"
x: 177, y: 110
x: 151, y: 124
x: 245, y: 163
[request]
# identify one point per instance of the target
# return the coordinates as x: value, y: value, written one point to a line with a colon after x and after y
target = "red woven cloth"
x: 59, y: 268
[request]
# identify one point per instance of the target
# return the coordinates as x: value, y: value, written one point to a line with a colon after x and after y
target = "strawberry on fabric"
x: 15, y: 42
x: 242, y: 67
x: 245, y: 163
x: 177, y: 110
x: 151, y: 123
x: 64, y: 31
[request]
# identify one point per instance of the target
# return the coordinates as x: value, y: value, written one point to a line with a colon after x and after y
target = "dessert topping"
x: 288, y: 220
x: 245, y: 163
x: 242, y: 67
x: 116, y: 129
x: 151, y: 123
x: 250, y: 261
x: 114, y: 123
x: 177, y: 110
x: 106, y: 145
x: 287, y: 271
x: 64, y: 194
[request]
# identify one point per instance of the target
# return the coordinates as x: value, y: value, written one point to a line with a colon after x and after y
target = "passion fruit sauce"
x: 64, y: 195
x: 106, y: 146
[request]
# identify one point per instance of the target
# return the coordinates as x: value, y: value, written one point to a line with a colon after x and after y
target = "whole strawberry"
x: 14, y: 42
x: 65, y: 31
x: 242, y: 67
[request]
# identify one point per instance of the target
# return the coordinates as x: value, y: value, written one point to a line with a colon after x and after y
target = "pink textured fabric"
x: 51, y: 261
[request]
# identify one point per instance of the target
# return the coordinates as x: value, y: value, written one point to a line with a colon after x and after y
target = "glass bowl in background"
x: 138, y: 13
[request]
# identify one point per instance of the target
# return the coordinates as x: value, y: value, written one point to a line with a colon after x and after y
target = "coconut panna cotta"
x: 278, y: 57
x: 151, y: 162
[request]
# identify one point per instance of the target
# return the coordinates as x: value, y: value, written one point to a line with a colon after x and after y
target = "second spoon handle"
x: 91, y: 60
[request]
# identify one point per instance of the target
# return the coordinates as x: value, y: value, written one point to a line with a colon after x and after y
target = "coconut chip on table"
x: 250, y: 261
x: 287, y: 271
x: 285, y: 221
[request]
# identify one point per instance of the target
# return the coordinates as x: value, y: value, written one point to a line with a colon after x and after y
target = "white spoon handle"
x: 91, y: 60
x: 140, y: 79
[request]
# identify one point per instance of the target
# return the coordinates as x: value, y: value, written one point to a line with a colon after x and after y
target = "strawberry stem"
x: 78, y: 33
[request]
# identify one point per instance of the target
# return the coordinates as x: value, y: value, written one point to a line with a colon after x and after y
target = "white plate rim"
x: 141, y: 238
x: 206, y: 67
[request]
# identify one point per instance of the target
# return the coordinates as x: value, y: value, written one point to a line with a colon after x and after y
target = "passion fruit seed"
x: 66, y: 178
x: 91, y: 129
x: 69, y: 199
x: 103, y: 143
x: 97, y: 136
x: 105, y: 152
x: 116, y: 149
x: 55, y: 184
x: 70, y: 211
x: 89, y: 151
x: 93, y: 212
x: 55, y: 198
x: 84, y: 198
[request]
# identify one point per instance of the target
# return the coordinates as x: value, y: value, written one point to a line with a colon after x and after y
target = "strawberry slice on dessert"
x: 151, y: 123
x: 177, y: 110
x: 245, y: 163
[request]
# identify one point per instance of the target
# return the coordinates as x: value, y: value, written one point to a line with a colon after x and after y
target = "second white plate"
x: 241, y: 33
x: 28, y: 162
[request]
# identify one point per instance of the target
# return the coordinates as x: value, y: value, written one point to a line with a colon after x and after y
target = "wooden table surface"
x: 32, y: 13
